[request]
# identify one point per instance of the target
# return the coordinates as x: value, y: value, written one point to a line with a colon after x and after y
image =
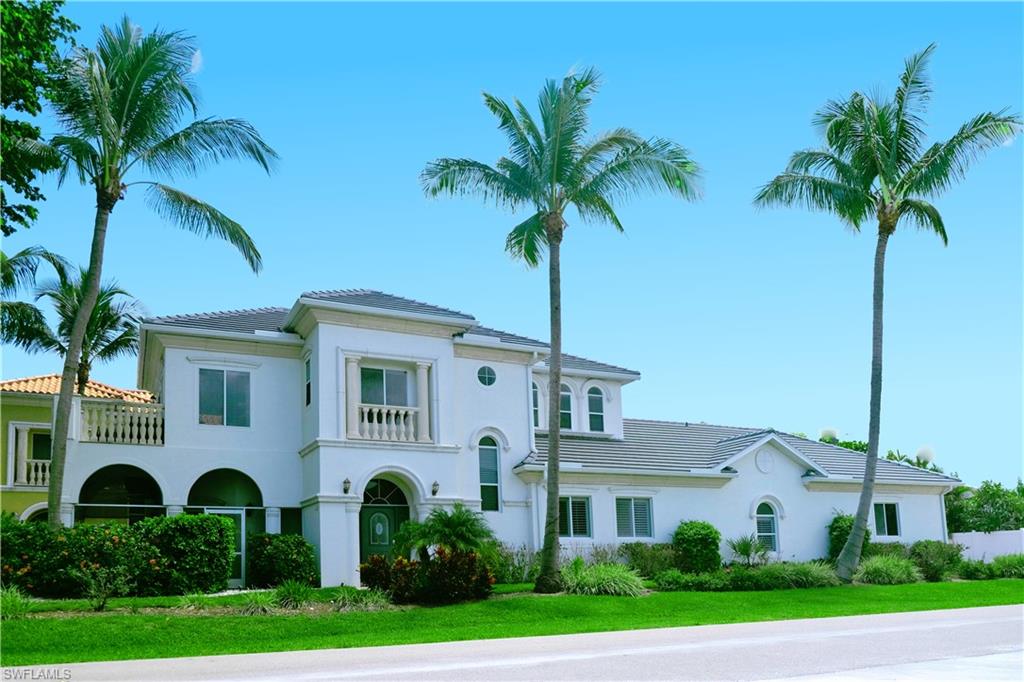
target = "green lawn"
x: 66, y: 638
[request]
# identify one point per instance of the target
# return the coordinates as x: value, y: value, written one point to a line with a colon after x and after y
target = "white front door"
x: 237, y: 517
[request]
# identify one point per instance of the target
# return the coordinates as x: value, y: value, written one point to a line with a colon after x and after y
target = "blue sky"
x: 733, y: 315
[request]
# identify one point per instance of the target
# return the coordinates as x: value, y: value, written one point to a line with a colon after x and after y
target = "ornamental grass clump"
x: 608, y: 579
x: 13, y: 604
x: 195, y: 601
x: 887, y: 570
x: 293, y: 594
x: 350, y: 599
x: 258, y: 604
x: 1009, y: 566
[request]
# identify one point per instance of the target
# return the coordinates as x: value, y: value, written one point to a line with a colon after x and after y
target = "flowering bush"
x: 376, y: 573
x: 447, y: 577
x: 274, y: 559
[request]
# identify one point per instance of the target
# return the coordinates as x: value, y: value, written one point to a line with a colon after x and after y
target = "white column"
x: 21, y: 455
x: 67, y: 514
x: 422, y: 402
x: 175, y: 510
x: 273, y: 520
x: 352, y: 396
x: 350, y: 575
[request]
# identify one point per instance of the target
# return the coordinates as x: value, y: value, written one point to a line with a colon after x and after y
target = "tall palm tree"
x: 551, y: 166
x: 112, y: 330
x: 18, y: 272
x: 875, y: 165
x: 119, y: 106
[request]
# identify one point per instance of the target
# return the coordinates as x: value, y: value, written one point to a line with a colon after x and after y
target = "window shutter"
x: 581, y: 516
x: 624, y: 516
x: 642, y: 517
x: 563, y: 516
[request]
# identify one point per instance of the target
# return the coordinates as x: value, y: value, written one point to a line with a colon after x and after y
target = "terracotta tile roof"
x: 49, y: 384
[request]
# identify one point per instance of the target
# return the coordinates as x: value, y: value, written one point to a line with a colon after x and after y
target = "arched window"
x: 565, y: 408
x: 535, y: 397
x: 488, y: 449
x: 767, y: 526
x: 595, y: 407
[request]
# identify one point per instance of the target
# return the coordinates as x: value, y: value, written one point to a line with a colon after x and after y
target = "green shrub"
x: 784, y: 576
x: 350, y: 599
x: 194, y: 602
x: 648, y: 559
x: 277, y: 558
x: 405, y: 581
x: 376, y: 573
x: 1009, y: 566
x: 13, y: 604
x: 510, y: 564
x: 839, y: 530
x: 194, y: 553
x: 887, y: 570
x: 258, y: 603
x: 609, y: 579
x: 674, y: 580
x: 937, y: 560
x: 603, y: 554
x: 696, y: 547
x: 896, y: 549
x: 975, y: 569
x: 292, y: 594
x: 748, y: 550
x: 811, y: 574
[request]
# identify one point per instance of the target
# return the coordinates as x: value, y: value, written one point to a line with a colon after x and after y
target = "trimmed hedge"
x: 839, y: 529
x: 777, y: 576
x: 277, y: 558
x: 447, y: 577
x: 648, y: 559
x: 696, y: 546
x: 156, y: 556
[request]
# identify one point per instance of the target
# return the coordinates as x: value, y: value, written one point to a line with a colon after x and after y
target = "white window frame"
x: 535, y: 404
x: 590, y: 516
x: 493, y: 376
x: 409, y: 397
x: 497, y: 461
x: 224, y: 368
x: 564, y: 389
x: 307, y: 384
x: 632, y: 516
x: 591, y: 414
x: 774, y: 516
x: 899, y: 520
x: 12, y: 444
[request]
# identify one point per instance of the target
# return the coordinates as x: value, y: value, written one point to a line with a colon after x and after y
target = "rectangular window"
x: 574, y: 517
x: 41, y: 444
x: 633, y: 517
x: 565, y: 410
x: 309, y: 381
x: 223, y: 397
x: 595, y: 406
x: 887, y: 522
x: 536, y: 407
x: 384, y: 386
x: 488, y: 477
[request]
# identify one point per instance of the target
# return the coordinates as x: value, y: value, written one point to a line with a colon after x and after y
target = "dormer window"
x: 595, y: 407
x: 384, y: 386
x: 565, y: 408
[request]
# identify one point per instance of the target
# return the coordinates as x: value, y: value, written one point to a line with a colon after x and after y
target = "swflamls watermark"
x: 37, y: 673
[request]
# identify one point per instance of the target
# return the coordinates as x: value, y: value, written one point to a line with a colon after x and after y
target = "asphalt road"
x: 961, y: 644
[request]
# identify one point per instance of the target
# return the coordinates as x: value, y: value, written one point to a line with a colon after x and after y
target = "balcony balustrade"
x: 110, y: 421
x: 388, y: 423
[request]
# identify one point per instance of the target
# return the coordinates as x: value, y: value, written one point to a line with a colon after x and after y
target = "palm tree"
x: 112, y: 330
x: 550, y: 167
x: 458, y: 530
x: 874, y: 165
x: 119, y: 106
x: 17, y: 272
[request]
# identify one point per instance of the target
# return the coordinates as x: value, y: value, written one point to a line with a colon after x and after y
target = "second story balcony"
x: 121, y: 422
x: 387, y: 400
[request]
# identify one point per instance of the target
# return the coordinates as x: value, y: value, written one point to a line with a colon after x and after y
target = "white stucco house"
x: 353, y: 410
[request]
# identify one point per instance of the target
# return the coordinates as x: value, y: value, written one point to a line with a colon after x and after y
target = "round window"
x: 486, y: 375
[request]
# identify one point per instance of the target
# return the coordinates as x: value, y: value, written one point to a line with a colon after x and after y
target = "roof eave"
x: 624, y: 376
x: 305, y: 301
x: 283, y: 338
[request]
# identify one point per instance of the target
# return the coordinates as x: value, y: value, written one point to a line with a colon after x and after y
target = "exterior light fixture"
x: 434, y: 488
x: 346, y: 485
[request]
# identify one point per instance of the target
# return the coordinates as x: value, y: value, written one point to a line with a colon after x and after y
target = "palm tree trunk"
x: 83, y: 374
x: 848, y: 559
x: 62, y: 420
x: 548, y: 580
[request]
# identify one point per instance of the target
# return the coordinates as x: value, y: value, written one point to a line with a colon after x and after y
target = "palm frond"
x: 911, y: 97
x: 23, y: 325
x: 528, y: 240
x: 206, y: 142
x: 597, y: 209
x: 191, y: 214
x: 78, y: 156
x: 818, y: 194
x: 520, y: 145
x: 564, y: 118
x: 19, y: 270
x: 655, y: 164
x: 924, y: 216
x: 460, y: 177
x: 947, y: 162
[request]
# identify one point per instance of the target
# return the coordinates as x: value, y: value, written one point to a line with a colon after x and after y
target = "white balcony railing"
x: 37, y: 472
x: 388, y: 423
x: 110, y: 421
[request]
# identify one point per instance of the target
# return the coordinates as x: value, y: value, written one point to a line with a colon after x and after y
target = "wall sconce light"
x: 434, y: 488
x: 346, y: 485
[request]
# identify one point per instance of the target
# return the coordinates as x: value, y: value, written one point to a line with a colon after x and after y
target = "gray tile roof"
x: 240, y: 321
x: 568, y: 361
x: 679, y: 447
x: 507, y: 337
x: 380, y: 300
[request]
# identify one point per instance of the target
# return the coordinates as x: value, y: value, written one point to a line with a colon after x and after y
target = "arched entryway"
x: 385, y: 508
x: 119, y: 492
x: 235, y: 496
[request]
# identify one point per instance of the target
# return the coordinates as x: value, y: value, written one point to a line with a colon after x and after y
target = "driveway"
x: 962, y: 644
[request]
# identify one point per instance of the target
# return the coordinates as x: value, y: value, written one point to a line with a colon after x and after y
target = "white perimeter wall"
x: 987, y: 546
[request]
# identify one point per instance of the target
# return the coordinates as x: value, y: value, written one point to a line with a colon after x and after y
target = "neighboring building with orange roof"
x: 49, y: 384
